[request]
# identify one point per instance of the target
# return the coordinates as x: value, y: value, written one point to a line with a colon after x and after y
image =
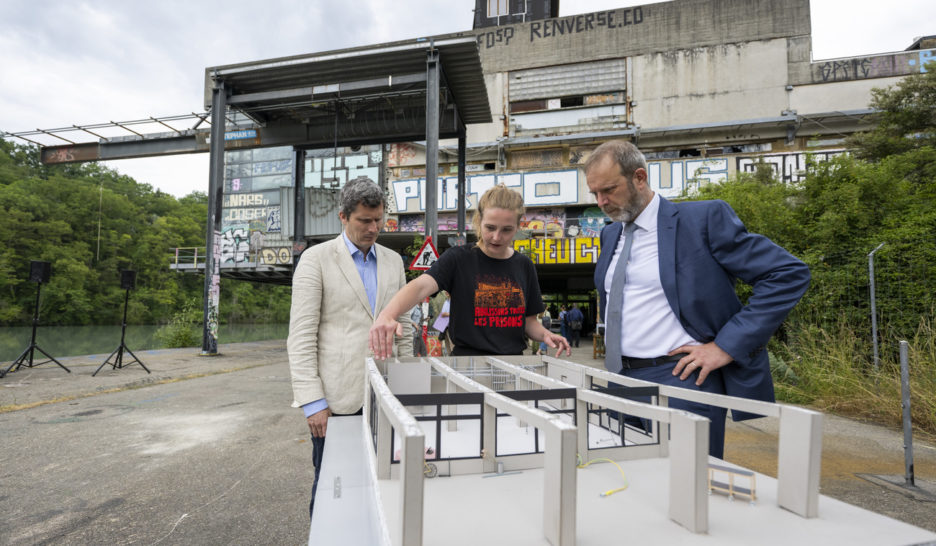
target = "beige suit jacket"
x: 329, y: 323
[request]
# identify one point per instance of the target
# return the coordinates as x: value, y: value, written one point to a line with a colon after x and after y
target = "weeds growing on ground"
x: 182, y: 327
x: 832, y: 370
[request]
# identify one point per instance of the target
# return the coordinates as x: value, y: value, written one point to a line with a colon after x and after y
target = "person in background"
x: 338, y: 288
x: 546, y: 321
x: 438, y: 310
x: 674, y: 317
x: 416, y: 318
x: 574, y: 320
x: 495, y: 293
x: 563, y: 329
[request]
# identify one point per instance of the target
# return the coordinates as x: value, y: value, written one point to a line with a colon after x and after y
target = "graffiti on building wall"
x: 548, y: 222
x: 591, y: 221
x: 672, y: 178
x: 417, y: 224
x: 878, y: 66
x: 273, y: 220
x: 244, y: 208
x: 573, y: 24
x: 331, y: 172
x: 536, y: 159
x: 235, y: 244
x: 668, y: 177
x: 401, y: 153
x: 926, y: 56
x: 788, y: 167
x: 276, y: 256
x: 539, y: 189
x: 257, y: 239
x: 579, y: 250
x: 322, y: 203
x: 283, y: 166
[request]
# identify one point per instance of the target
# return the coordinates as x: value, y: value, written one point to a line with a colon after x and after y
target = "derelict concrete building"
x: 706, y: 88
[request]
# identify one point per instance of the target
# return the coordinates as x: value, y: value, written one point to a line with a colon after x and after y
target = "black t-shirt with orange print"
x: 491, y: 299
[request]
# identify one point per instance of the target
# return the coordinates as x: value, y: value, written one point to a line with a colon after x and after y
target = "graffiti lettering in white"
x: 561, y: 188
x: 235, y: 245
x: 538, y: 188
x: 788, y: 167
x: 403, y: 190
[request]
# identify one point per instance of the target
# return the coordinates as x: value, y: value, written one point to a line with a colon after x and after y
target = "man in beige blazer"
x: 338, y: 288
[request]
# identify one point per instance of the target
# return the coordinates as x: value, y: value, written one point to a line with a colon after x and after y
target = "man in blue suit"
x: 674, y: 317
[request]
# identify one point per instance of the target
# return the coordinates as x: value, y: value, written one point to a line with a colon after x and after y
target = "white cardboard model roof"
x: 495, y: 450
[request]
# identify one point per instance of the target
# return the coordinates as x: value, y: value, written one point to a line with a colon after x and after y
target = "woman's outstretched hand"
x: 381, y: 336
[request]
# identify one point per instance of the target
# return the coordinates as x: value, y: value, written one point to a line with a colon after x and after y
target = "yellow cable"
x: 609, y: 492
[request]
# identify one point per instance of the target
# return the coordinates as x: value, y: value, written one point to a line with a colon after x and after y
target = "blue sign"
x: 241, y: 135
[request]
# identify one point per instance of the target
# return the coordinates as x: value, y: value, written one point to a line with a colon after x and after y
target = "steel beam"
x: 462, y: 180
x: 298, y: 204
x: 212, y: 290
x: 432, y: 143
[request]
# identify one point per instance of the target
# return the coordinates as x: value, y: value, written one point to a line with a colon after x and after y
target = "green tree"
x: 91, y: 222
x: 906, y: 118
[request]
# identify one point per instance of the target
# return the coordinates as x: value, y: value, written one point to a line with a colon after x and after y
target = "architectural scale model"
x: 512, y: 440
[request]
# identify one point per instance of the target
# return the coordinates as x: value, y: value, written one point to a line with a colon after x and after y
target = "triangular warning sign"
x: 426, y: 256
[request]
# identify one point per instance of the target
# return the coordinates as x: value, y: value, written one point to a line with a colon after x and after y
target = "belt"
x: 634, y: 363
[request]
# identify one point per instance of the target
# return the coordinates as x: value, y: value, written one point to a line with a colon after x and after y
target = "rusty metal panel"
x: 535, y: 159
x: 51, y: 155
x: 604, y: 98
x: 527, y: 106
x: 568, y: 80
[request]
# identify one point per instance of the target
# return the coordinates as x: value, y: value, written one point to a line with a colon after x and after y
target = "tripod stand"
x: 119, y: 351
x: 27, y: 355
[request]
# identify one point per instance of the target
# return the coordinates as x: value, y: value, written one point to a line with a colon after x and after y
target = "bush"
x: 181, y: 331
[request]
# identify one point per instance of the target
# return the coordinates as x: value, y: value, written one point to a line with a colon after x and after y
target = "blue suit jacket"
x: 703, y: 249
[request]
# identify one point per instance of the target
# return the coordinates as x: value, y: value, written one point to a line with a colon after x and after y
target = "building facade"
x: 706, y: 88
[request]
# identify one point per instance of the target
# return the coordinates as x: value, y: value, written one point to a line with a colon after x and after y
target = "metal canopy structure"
x: 361, y: 95
x: 416, y: 90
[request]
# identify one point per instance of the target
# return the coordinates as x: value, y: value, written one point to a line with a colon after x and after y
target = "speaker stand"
x: 122, y: 348
x: 27, y: 356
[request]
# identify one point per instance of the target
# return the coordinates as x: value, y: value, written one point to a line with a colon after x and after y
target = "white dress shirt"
x: 649, y: 328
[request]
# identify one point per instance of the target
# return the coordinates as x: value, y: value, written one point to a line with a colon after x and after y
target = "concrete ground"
x: 206, y: 450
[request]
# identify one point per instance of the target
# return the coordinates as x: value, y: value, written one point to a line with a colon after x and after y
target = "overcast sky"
x: 79, y: 63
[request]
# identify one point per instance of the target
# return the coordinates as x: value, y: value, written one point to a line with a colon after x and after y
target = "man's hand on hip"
x: 318, y: 422
x: 704, y: 358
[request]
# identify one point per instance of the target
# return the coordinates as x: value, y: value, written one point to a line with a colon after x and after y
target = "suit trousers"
x: 318, y: 448
x: 663, y: 375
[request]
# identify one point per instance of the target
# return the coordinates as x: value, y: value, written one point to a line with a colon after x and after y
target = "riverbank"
x: 62, y: 341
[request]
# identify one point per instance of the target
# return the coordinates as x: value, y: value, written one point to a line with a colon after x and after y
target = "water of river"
x: 89, y: 340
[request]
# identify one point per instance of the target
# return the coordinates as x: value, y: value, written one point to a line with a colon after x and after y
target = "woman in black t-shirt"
x: 495, y: 294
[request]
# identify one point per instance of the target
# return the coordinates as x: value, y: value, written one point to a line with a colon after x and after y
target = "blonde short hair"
x: 498, y: 197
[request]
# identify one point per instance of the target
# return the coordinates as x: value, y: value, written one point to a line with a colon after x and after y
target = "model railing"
x: 687, y: 447
x: 384, y: 415
x: 398, y: 452
x: 558, y: 461
x: 800, y: 443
